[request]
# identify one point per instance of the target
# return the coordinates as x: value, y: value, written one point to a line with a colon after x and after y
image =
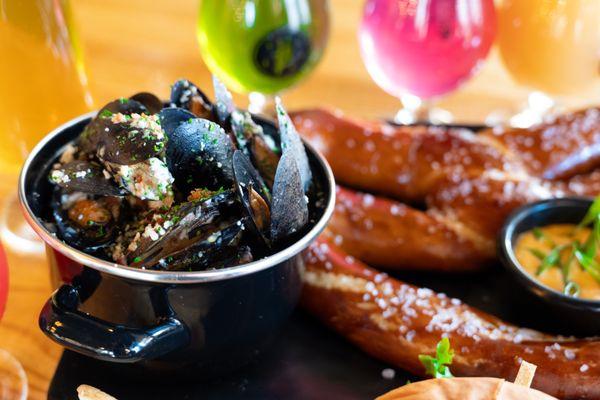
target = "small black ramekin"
x: 204, y: 322
x: 581, y: 316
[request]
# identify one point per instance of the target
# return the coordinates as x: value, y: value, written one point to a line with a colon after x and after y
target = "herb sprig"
x: 438, y: 366
x: 584, y: 253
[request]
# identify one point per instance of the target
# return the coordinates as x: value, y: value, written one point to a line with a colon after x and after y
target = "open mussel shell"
x: 152, y: 103
x: 123, y: 106
x: 184, y: 94
x: 221, y: 248
x: 93, y: 238
x: 252, y: 141
x: 101, y: 123
x: 289, y: 209
x: 181, y: 227
x: 199, y: 155
x: 291, y: 142
x: 253, y: 194
x: 223, y: 106
x: 86, y: 177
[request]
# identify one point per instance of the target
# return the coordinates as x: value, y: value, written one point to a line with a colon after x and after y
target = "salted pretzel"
x: 437, y: 197
x: 395, y: 322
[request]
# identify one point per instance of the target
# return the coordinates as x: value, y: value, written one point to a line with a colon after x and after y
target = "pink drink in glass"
x: 425, y: 48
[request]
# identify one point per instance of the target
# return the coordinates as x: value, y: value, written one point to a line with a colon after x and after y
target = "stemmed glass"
x: 13, y: 381
x: 418, y: 50
x: 262, y: 47
x: 550, y: 46
x: 42, y: 84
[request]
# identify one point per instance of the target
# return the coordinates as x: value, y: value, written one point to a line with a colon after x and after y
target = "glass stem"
x: 261, y: 104
x: 413, y: 110
x: 416, y: 110
x: 539, y: 107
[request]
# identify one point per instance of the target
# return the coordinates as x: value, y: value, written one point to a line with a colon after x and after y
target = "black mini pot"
x: 207, y: 322
x: 579, y: 316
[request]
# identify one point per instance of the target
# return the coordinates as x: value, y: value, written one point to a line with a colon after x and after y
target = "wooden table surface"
x: 138, y: 45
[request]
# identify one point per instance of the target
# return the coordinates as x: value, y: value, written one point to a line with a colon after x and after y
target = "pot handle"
x: 61, y: 320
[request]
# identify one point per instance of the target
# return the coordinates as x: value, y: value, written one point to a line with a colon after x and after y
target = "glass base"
x: 540, y: 107
x: 16, y: 234
x: 418, y: 111
x: 13, y: 380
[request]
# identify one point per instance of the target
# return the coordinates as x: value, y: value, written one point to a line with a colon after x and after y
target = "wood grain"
x: 145, y: 45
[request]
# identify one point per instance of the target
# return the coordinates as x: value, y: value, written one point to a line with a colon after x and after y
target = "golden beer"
x: 42, y: 82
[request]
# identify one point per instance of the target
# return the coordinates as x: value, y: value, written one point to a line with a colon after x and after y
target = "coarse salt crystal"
x: 388, y: 373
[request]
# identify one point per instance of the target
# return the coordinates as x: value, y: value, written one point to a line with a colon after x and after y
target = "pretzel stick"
x: 395, y: 322
x: 465, y: 184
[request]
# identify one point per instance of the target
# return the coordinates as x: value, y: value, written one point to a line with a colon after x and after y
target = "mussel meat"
x: 86, y: 222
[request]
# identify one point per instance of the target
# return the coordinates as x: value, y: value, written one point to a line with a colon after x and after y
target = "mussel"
x: 192, y: 185
x: 254, y: 143
x: 141, y: 103
x: 289, y: 212
x: 253, y: 194
x: 179, y: 229
x: 86, y: 222
x: 186, y: 95
x: 86, y: 177
x: 219, y: 249
x: 199, y: 152
x: 291, y: 142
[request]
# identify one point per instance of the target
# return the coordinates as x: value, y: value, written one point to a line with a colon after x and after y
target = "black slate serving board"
x: 308, y: 361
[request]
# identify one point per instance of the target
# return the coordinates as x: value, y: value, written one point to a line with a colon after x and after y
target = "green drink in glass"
x: 262, y: 46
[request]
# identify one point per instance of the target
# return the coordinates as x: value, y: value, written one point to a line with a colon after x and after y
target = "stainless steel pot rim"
x: 166, y: 276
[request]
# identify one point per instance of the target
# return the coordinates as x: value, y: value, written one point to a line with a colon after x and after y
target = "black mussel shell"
x: 86, y: 177
x: 199, y: 155
x: 152, y: 103
x: 291, y: 142
x: 183, y: 225
x: 223, y: 106
x: 253, y: 194
x: 186, y: 95
x: 171, y: 118
x: 125, y: 144
x: 218, y: 250
x: 94, y: 239
x: 289, y: 209
x: 97, y: 128
x: 264, y: 158
x: 123, y: 106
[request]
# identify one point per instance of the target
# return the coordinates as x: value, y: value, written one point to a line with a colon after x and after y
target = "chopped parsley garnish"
x: 106, y: 114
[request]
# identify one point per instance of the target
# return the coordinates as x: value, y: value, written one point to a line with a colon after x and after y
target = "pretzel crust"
x: 454, y: 188
x: 395, y: 322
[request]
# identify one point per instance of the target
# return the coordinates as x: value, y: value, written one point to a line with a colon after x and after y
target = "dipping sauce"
x: 535, y: 246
